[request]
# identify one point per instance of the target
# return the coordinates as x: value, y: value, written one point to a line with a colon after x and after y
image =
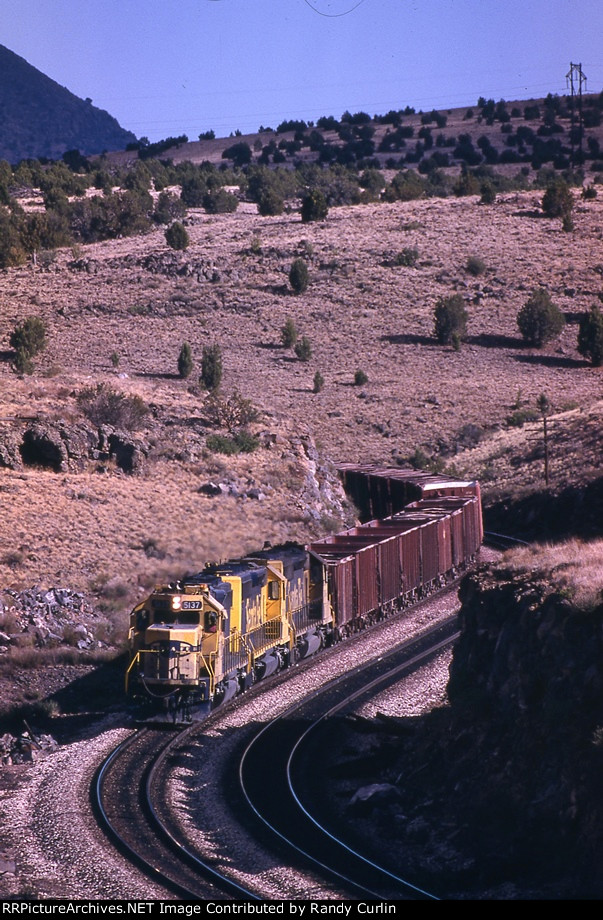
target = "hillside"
x: 137, y: 299
x: 42, y: 119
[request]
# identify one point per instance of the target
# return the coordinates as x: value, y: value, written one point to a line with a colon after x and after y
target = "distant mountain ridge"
x: 40, y: 118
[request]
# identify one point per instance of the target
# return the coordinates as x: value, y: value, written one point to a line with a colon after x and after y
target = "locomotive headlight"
x: 176, y: 602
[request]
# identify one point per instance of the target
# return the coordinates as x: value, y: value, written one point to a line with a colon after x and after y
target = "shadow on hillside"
x: 270, y: 346
x: 85, y: 699
x: 410, y: 338
x: 157, y: 375
x: 528, y: 212
x: 551, y: 361
x: 492, y: 340
x: 7, y: 355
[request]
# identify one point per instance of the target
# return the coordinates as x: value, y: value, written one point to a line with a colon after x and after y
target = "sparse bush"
x: 450, y: 319
x: 475, y: 266
x: 242, y: 442
x: 407, y: 257
x: 303, y: 349
x: 232, y: 413
x: 314, y: 206
x: 29, y: 336
x: 240, y: 154
x: 22, y: 362
x: 557, y: 200
x: 589, y: 192
x: 298, y: 276
x: 221, y: 444
x: 211, y: 367
x: 115, y: 359
x: 270, y: 203
x: 540, y: 320
x: 185, y: 361
x: 590, y: 336
x: 104, y: 406
x: 177, y: 237
x: 488, y: 193
x: 219, y: 201
x: 319, y: 382
x: 168, y: 208
x: 360, y: 378
x: 289, y: 334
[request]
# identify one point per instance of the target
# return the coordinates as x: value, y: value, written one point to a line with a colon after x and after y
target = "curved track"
x: 122, y: 793
x: 273, y: 771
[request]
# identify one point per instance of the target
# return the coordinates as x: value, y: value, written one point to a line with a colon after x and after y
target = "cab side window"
x: 210, y: 621
x: 274, y: 590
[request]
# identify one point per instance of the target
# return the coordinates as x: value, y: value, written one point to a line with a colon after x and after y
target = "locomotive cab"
x: 174, y: 638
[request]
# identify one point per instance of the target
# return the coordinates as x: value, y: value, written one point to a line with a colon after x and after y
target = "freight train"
x: 196, y: 643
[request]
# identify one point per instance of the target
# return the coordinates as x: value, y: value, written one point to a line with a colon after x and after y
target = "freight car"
x: 197, y: 643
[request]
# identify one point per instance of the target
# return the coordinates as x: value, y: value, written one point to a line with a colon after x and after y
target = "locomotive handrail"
x: 129, y: 668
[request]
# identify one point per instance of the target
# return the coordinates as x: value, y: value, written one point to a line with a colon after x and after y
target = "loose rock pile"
x: 25, y: 748
x: 46, y: 618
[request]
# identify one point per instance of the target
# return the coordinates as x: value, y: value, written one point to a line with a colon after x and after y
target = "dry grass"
x: 573, y: 567
x: 85, y: 529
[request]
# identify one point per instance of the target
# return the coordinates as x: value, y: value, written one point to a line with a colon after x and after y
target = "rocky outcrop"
x: 61, y: 447
x: 526, y: 652
x: 39, y: 617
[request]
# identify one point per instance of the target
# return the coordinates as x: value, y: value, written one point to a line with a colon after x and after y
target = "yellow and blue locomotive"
x: 196, y: 643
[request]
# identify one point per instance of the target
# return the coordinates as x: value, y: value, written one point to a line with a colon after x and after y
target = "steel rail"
x: 373, y: 686
x: 185, y: 856
x: 404, y: 884
x: 184, y: 852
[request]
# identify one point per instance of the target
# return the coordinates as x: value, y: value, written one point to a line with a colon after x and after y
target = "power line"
x: 334, y: 15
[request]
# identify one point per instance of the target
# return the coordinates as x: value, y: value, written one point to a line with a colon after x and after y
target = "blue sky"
x: 170, y: 67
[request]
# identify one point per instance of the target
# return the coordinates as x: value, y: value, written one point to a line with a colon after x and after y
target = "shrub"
x: 487, y: 193
x: 168, y: 208
x: 242, y: 442
x: 407, y: 257
x: 270, y: 203
x: 303, y: 349
x: 219, y: 201
x: 319, y: 382
x: 115, y: 359
x: 104, y: 406
x: 289, y: 334
x: 298, y: 276
x: 221, y: 444
x: 475, y: 266
x: 519, y: 417
x: 22, y: 362
x: 589, y: 192
x: 177, y: 237
x: 232, y: 413
x: 450, y: 319
x: 239, y: 153
x: 185, y: 361
x: 360, y: 378
x: 211, y: 367
x: 557, y: 200
x: 29, y: 337
x: 590, y: 336
x: 540, y: 320
x: 314, y: 206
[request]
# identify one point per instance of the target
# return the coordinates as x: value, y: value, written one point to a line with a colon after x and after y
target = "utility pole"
x: 545, y: 407
x: 576, y: 79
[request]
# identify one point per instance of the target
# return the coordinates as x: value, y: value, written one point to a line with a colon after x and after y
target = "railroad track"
x: 125, y: 794
x: 274, y: 767
x: 127, y: 791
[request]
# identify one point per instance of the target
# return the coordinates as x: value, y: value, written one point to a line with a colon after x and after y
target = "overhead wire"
x: 334, y: 15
